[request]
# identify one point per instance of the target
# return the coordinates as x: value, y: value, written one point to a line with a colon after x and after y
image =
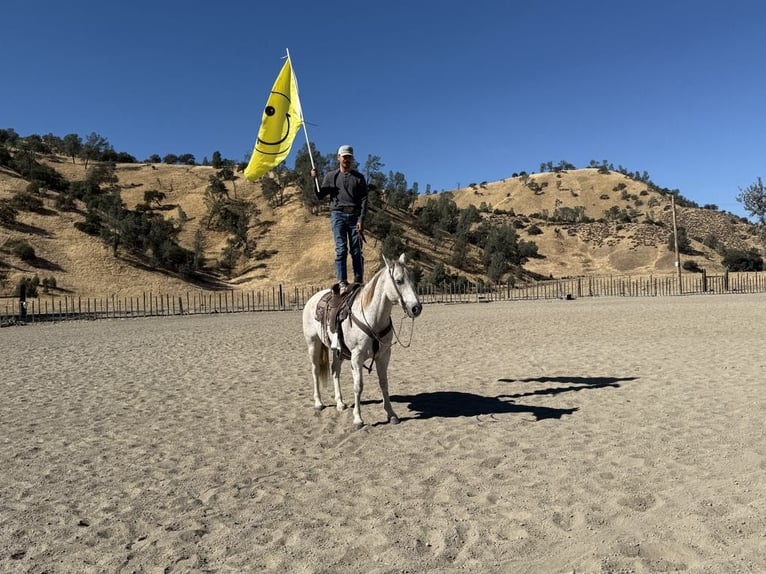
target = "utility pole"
x: 675, y: 241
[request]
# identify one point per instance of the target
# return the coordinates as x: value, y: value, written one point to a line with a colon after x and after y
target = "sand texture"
x: 594, y: 435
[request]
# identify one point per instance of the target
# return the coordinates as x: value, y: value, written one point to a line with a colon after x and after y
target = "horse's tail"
x: 323, y: 366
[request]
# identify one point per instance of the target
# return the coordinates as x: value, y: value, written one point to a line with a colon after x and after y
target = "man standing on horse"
x: 347, y: 189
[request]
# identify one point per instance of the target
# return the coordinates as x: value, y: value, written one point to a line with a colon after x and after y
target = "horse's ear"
x: 403, y: 259
x: 385, y: 260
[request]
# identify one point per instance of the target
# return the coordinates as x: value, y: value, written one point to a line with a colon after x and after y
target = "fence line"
x: 601, y: 286
x: 278, y: 298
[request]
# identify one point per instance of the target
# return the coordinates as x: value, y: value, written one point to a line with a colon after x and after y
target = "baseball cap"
x: 345, y: 150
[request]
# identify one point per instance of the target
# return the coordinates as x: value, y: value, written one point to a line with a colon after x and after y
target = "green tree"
x: 397, y: 194
x: 72, y: 146
x: 31, y: 286
x: 438, y: 275
x: 379, y: 224
x: 23, y: 250
x: 741, y: 260
x: 229, y: 257
x: 302, y: 173
x: 496, y: 266
x: 152, y: 196
x: 94, y: 147
x: 753, y: 199
x: 373, y: 172
x: 501, y: 250
x: 216, y: 196
x: 5, y: 156
x: 54, y: 143
x: 9, y: 137
x: 684, y: 243
x: 35, y: 144
x: 8, y: 213
x: 459, y: 252
x: 198, y: 250
x: 226, y: 173
x: 25, y: 201
x: 111, y: 210
x: 466, y: 218
x: 269, y: 189
x: 392, y: 246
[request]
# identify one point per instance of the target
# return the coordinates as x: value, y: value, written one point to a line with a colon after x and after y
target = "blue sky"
x: 448, y: 93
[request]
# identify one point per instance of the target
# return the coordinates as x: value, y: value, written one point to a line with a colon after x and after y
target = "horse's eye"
x: 400, y: 281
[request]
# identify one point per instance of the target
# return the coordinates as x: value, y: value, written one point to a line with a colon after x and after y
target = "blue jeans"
x: 347, y: 238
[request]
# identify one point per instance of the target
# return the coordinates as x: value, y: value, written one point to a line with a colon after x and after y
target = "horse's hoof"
x: 318, y: 410
x: 358, y: 426
x: 393, y: 420
x: 341, y: 407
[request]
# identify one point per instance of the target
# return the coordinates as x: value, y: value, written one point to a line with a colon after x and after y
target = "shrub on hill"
x: 741, y: 260
x: 30, y: 286
x: 23, y: 250
x: 26, y: 201
x: 691, y: 265
x: 8, y: 212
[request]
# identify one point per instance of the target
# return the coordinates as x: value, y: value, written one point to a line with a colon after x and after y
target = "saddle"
x: 334, y: 308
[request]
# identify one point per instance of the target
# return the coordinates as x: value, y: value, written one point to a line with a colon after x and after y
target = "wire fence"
x: 56, y: 307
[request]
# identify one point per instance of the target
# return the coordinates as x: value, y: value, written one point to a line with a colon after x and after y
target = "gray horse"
x: 366, y: 332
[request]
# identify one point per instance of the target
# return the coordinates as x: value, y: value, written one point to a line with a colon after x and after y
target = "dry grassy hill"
x: 294, y: 247
x: 605, y: 248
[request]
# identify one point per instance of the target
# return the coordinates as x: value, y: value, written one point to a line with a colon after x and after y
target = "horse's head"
x: 404, y: 288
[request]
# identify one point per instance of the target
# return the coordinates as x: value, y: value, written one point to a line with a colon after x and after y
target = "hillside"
x: 571, y: 249
x: 294, y: 247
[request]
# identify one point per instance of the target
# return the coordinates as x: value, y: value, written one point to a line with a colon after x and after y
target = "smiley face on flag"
x: 275, y: 126
x: 282, y: 118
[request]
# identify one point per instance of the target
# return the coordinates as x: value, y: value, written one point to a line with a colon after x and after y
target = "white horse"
x: 367, y: 333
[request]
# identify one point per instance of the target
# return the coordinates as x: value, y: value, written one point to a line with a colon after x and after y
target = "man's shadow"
x: 448, y: 404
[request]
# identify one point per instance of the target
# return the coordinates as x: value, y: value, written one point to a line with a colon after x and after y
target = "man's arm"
x: 321, y: 190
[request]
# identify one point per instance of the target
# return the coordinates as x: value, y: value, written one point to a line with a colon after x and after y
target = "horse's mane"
x: 369, y: 289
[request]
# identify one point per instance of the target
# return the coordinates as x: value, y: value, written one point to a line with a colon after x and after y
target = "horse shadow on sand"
x: 449, y: 404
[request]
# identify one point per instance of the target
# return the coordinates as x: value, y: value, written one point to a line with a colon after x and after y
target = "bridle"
x: 398, y: 291
x: 367, y: 328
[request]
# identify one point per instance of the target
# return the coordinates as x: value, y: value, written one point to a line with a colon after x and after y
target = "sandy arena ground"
x: 595, y: 435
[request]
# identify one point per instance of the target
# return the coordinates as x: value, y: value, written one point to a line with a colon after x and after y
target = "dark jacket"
x: 345, y: 190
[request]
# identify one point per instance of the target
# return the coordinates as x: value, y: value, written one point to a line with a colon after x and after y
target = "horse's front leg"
x: 381, y: 366
x: 336, y: 363
x: 357, y: 363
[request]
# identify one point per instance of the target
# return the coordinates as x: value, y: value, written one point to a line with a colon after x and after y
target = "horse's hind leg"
x: 381, y: 366
x: 320, y: 369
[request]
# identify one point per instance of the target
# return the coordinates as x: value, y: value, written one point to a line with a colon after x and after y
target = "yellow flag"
x: 282, y: 118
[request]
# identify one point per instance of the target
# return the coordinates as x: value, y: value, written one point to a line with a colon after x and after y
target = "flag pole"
x: 305, y: 131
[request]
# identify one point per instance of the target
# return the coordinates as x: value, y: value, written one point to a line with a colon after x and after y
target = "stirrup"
x: 335, y: 341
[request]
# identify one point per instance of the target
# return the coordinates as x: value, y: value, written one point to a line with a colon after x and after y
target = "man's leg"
x: 341, y: 247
